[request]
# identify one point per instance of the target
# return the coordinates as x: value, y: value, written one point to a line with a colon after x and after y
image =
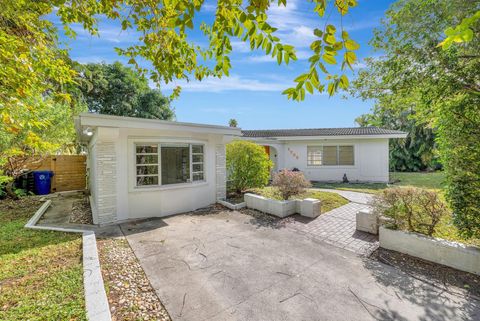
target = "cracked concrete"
x: 231, y: 266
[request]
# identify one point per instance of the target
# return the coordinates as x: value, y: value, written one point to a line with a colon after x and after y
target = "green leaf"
x: 317, y: 32
x: 331, y: 29
x: 309, y: 87
x: 329, y: 39
x: 351, y: 45
x: 268, y: 48
x: 350, y: 57
x: 322, y: 68
x: 331, y: 89
x: 343, y: 82
x: 328, y: 58
x: 302, y: 77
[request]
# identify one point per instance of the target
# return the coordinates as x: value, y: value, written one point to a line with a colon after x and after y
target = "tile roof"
x: 352, y: 131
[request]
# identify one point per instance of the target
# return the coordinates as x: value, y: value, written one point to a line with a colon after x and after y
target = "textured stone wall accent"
x: 220, y: 171
x: 106, y: 162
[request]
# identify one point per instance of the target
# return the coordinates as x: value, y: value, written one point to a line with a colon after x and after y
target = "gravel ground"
x: 130, y: 295
x: 441, y: 276
x: 81, y: 212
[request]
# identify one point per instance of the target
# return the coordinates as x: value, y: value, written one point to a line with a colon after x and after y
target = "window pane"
x: 147, y: 180
x: 314, y: 156
x: 175, y: 164
x: 197, y: 176
x: 197, y: 167
x: 147, y: 159
x: 329, y: 155
x: 197, y: 149
x: 147, y: 149
x: 345, y: 155
x: 197, y: 158
x: 147, y: 170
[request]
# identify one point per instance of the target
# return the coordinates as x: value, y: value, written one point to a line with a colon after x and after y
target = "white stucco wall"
x: 156, y: 201
x: 371, y: 158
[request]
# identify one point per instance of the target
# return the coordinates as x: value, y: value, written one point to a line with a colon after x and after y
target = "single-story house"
x: 141, y: 168
x: 144, y: 168
x: 326, y: 154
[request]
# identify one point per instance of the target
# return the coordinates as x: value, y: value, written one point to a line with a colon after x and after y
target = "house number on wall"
x: 295, y: 155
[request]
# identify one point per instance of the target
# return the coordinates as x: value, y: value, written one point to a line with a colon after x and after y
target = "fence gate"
x: 69, y: 171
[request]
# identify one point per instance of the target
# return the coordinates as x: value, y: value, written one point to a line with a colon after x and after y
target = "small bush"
x: 248, y: 166
x: 411, y: 209
x: 290, y: 183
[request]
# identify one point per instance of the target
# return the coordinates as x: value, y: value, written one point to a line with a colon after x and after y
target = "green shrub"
x: 248, y: 166
x: 290, y: 183
x: 459, y: 133
x: 411, y: 209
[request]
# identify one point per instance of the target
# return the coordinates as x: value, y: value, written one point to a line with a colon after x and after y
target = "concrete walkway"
x: 229, y: 266
x: 338, y: 227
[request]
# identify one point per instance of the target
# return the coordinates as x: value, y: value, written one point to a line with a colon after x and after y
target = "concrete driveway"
x: 232, y: 266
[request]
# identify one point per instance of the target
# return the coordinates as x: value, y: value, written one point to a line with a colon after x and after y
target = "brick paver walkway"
x: 337, y: 227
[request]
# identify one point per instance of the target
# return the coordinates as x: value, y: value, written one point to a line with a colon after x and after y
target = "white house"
x: 144, y: 168
x: 326, y: 154
x: 141, y: 168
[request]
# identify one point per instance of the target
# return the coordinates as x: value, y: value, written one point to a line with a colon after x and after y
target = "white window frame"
x: 190, y: 181
x: 337, y: 157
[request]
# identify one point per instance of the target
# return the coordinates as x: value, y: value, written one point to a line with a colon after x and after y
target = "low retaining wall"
x: 308, y: 207
x: 232, y: 206
x: 452, y: 254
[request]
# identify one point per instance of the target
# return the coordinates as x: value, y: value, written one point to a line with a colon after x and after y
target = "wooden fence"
x: 69, y: 171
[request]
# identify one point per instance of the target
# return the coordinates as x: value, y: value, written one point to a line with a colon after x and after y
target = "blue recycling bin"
x: 42, y: 181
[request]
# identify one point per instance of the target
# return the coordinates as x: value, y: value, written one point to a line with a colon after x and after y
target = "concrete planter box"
x: 307, y: 207
x: 232, y: 206
x: 367, y: 221
x: 452, y: 254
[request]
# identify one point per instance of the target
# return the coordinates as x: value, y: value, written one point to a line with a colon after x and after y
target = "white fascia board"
x: 97, y: 120
x: 287, y: 138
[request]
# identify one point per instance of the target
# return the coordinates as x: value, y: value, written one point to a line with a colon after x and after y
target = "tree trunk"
x: 9, y: 190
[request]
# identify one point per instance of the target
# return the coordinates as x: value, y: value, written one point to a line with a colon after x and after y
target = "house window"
x: 314, y: 155
x: 165, y: 164
x: 146, y: 165
x: 342, y: 155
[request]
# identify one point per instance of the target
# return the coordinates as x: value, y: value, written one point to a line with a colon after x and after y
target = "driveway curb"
x: 96, y: 302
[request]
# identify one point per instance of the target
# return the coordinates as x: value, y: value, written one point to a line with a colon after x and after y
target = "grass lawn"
x: 330, y: 201
x: 432, y: 180
x: 41, y: 274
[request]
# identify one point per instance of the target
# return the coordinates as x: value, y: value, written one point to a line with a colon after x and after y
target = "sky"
x: 252, y: 93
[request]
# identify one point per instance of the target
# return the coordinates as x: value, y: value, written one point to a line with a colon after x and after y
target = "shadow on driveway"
x: 230, y: 266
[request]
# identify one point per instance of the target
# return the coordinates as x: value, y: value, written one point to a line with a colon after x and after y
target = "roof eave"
x: 97, y: 120
x: 371, y: 136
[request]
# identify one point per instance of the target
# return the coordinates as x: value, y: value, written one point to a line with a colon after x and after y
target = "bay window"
x: 166, y: 164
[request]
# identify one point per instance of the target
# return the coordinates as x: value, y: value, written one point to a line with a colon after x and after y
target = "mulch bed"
x: 130, y: 295
x: 444, y: 277
x: 81, y: 212
x: 235, y: 199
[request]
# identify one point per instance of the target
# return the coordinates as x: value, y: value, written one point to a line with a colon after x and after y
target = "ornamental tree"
x: 248, y: 166
x: 164, y: 25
